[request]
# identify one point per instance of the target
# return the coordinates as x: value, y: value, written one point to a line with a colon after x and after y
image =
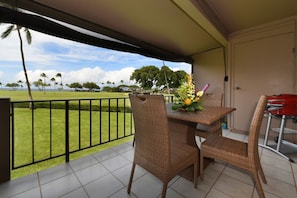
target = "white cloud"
x: 76, y: 62
x: 35, y: 75
x: 87, y: 74
x: 119, y: 75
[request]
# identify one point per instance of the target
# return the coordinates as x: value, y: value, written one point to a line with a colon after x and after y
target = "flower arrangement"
x: 188, y: 97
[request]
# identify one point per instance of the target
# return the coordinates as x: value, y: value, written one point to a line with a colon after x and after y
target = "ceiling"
x: 178, y: 27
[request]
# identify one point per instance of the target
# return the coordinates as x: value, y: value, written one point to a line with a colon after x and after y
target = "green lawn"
x: 18, y: 95
x: 42, y: 133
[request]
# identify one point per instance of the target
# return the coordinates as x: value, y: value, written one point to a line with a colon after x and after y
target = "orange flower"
x: 187, y: 101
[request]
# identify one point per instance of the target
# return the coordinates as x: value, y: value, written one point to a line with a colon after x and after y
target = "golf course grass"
x: 52, y: 142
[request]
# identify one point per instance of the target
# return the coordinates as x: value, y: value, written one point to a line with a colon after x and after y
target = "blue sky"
x: 75, y: 61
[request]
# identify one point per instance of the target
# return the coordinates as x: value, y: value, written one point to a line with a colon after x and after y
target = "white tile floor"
x: 106, y: 174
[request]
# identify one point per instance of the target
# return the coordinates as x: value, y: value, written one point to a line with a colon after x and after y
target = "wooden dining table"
x: 183, y: 125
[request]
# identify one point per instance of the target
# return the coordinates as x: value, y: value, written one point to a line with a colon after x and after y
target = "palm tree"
x: 44, y: 76
x: 38, y: 84
x: 5, y: 34
x: 54, y: 82
x: 59, y: 75
x: 20, y: 82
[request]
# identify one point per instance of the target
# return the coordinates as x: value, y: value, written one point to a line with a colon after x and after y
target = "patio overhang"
x: 170, y: 30
x: 74, y: 33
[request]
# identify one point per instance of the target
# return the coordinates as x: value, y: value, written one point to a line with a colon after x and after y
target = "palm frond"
x: 28, y: 35
x: 7, y: 32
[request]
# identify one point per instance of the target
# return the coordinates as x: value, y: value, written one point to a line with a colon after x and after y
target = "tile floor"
x: 106, y: 174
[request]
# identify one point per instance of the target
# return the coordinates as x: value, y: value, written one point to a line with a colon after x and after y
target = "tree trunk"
x: 24, y: 68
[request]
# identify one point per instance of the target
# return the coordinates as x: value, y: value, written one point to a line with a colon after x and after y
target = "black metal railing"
x: 57, y: 128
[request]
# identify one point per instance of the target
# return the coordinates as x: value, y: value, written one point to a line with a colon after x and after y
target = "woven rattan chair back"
x: 254, y: 130
x: 151, y: 131
x: 241, y: 154
x: 210, y: 99
x: 153, y: 150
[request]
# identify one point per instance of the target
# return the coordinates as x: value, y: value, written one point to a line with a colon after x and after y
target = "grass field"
x: 18, y: 95
x: 23, y: 129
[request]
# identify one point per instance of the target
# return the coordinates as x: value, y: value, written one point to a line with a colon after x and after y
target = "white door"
x: 262, y: 66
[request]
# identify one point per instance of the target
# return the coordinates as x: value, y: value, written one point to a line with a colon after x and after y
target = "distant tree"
x: 59, y: 75
x: 146, y: 76
x: 18, y: 28
x: 20, y: 82
x: 164, y: 77
x: 177, y: 78
x: 91, y: 85
x: 134, y: 87
x: 12, y: 85
x: 170, y: 79
x: 54, y: 82
x: 152, y: 76
x: 44, y: 76
x: 75, y: 85
x: 111, y: 89
x: 1, y: 84
x: 38, y: 84
x: 124, y: 88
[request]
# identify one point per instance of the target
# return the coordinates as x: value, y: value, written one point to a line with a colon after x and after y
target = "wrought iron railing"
x: 58, y: 128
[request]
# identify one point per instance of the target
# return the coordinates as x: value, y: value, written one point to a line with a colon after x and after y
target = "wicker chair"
x: 240, y: 154
x: 153, y: 150
x: 203, y: 130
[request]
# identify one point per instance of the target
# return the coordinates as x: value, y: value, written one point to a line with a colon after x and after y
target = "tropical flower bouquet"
x: 188, y: 97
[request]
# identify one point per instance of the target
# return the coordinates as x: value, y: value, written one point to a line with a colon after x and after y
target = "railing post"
x: 67, y: 131
x: 5, y: 139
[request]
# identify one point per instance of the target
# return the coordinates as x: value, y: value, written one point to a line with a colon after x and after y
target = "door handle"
x: 237, y: 88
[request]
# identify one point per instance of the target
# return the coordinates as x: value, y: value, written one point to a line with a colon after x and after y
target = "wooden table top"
x: 206, y: 116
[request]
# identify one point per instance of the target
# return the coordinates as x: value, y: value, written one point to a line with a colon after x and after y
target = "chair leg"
x: 262, y: 175
x: 195, y: 174
x: 258, y: 184
x: 260, y: 170
x: 201, y: 166
x: 220, y: 133
x: 133, y: 141
x: 164, y: 189
x: 131, y: 178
